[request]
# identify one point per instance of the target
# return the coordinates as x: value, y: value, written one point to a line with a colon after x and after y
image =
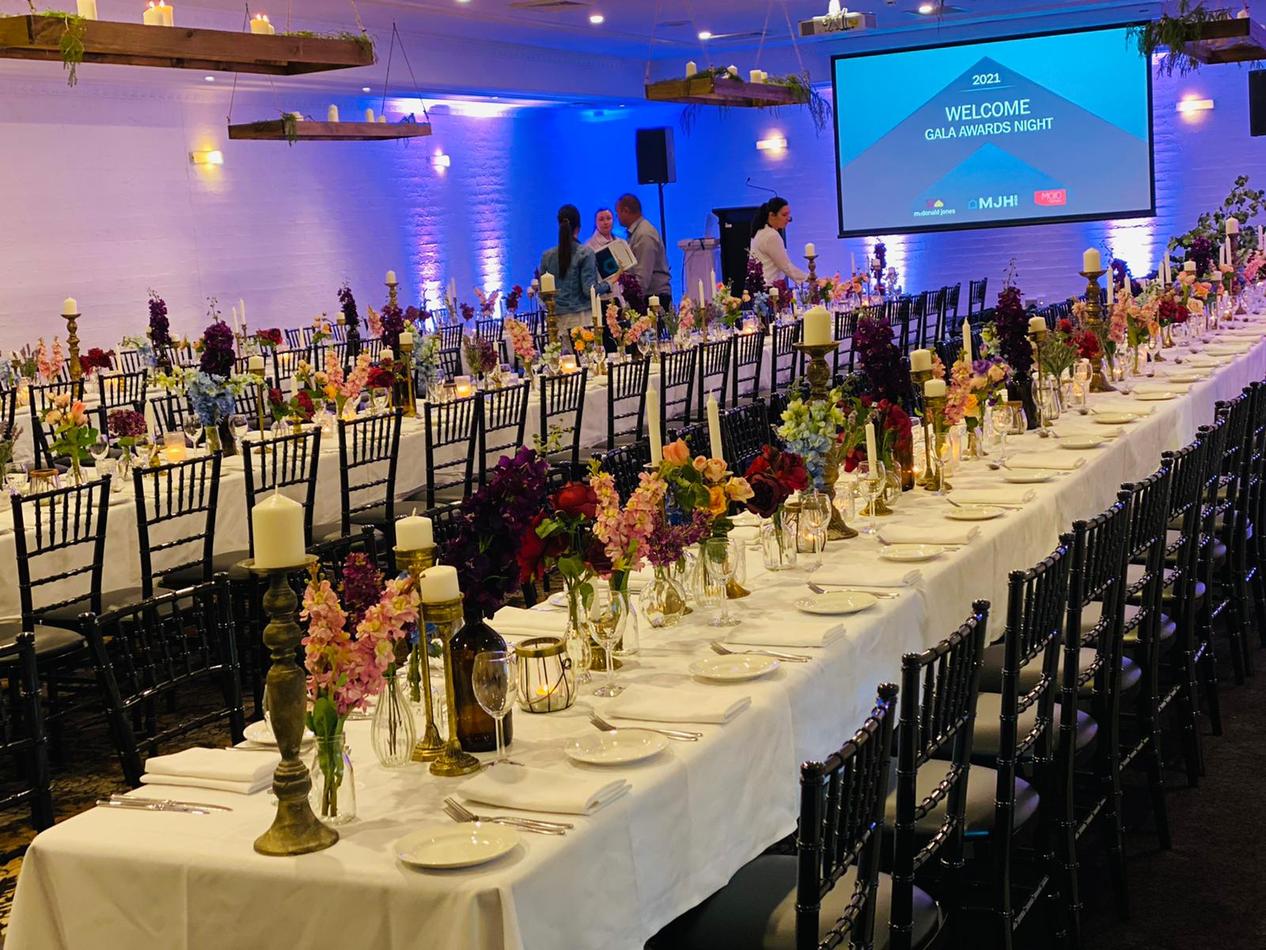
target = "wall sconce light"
x: 440, y: 161
x: 212, y: 156
x: 775, y: 143
x: 1191, y: 104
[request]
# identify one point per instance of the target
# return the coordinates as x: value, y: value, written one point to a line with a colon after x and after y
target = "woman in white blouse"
x: 767, y: 241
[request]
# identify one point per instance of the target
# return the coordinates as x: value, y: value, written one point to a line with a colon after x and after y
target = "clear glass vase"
x: 333, y: 795
x: 778, y: 541
x: 662, y: 602
x: 630, y: 638
x: 393, y: 732
x: 578, y: 636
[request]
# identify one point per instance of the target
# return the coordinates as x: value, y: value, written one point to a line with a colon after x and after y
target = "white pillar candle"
x: 151, y: 16
x: 277, y: 528
x: 547, y: 284
x: 369, y: 115
x: 872, y: 449
x: 1226, y: 246
x: 921, y: 361
x: 594, y: 306
x: 1111, y: 287
x: 652, y: 301
x: 852, y: 263
x: 967, y: 341
x: 810, y: 250
x: 260, y: 24
x: 87, y: 9
x: 1261, y: 238
x: 168, y: 12
x: 1232, y: 225
x: 1189, y: 267
x: 406, y: 339
x: 255, y: 365
x: 382, y: 119
x: 340, y: 320
x: 714, y: 427
x: 817, y: 326
x: 702, y: 301
x: 241, y: 309
x: 70, y: 306
x: 331, y: 114
x: 1037, y: 325
x: 1090, y: 260
x: 934, y: 389
x: 414, y: 532
x: 652, y: 427
x: 386, y: 354
x: 692, y: 68
x: 438, y: 584
x: 753, y: 75
x: 773, y: 292
x: 712, y: 275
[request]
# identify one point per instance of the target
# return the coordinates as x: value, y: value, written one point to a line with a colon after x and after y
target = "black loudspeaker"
x: 656, y: 164
x: 1257, y: 102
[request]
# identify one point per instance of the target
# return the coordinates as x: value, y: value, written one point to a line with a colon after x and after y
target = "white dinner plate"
x: 462, y: 845
x: 911, y: 553
x: 733, y: 668
x: 1114, y: 418
x: 261, y: 734
x: 1227, y: 350
x: 1154, y: 395
x: 1081, y: 443
x: 619, y: 747
x: 557, y: 599
x: 1188, y: 377
x: 973, y: 513
x: 1028, y: 476
x: 836, y: 602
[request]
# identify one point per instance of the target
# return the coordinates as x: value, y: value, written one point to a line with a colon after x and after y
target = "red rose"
x: 596, y: 557
x: 1088, y: 346
x: 531, y: 555
x: 576, y: 499
x: 307, y: 408
x: 381, y: 377
x: 1065, y: 325
x: 768, y: 493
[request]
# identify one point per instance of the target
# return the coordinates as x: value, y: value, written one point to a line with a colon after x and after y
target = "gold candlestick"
x: 813, y: 278
x: 391, y: 294
x: 72, y: 344
x: 262, y: 391
x: 819, y: 376
x: 927, y: 477
x: 452, y: 760
x: 429, y: 744
x: 551, y: 318
x: 410, y: 396
x: 295, y: 829
x: 1094, y: 323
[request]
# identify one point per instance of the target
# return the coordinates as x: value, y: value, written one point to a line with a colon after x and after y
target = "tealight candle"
x: 174, y: 449
x: 438, y: 584
x: 753, y: 75
x: 70, y: 307
x: 934, y: 389
x: 692, y: 69
x: 1037, y: 325
x: 714, y: 427
x: 773, y: 292
x: 921, y: 361
x: 277, y: 529
x: 810, y: 250
x: 464, y: 388
x: 391, y: 277
x: 414, y: 532
x: 652, y: 427
x: 1090, y: 260
x: 331, y: 114
x: 567, y: 363
x: 817, y: 326
x: 547, y: 283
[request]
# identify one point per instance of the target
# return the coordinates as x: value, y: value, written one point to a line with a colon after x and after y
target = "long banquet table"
x: 695, y: 813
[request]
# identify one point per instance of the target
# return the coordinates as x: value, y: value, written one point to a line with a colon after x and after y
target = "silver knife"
x: 138, y: 804
x: 116, y: 797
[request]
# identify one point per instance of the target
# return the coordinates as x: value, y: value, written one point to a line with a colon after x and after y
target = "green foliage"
x: 1241, y: 202
x: 1174, y: 33
x: 74, y: 29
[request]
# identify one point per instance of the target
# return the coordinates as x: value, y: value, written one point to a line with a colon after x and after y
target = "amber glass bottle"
x: 475, y: 728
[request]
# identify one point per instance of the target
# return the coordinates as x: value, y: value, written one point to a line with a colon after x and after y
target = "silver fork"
x: 873, y: 593
x: 721, y: 648
x: 459, y: 812
x: 679, y: 734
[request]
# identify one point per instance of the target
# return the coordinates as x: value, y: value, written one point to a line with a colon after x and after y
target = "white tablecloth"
x: 695, y: 814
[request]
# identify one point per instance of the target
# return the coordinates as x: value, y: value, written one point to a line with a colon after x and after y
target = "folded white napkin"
x: 567, y: 793
x: 659, y: 704
x: 1227, y: 349
x: 1162, y: 388
x: 746, y: 519
x: 745, y: 533
x: 884, y: 574
x: 786, y: 633
x: 997, y: 495
x: 929, y: 533
x: 517, y: 622
x: 1060, y: 461
x: 227, y: 769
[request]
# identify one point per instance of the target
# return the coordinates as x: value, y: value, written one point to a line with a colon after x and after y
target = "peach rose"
x: 676, y: 453
x: 738, y: 489
x: 713, y: 469
x: 718, y: 503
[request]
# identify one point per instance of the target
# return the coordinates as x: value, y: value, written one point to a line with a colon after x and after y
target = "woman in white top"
x: 767, y: 241
x: 603, y: 222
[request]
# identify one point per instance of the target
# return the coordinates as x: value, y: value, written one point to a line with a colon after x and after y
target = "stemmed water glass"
x: 100, y: 448
x: 378, y: 399
x: 720, y: 561
x: 495, y: 682
x: 1082, y: 374
x: 871, y: 484
x: 1002, y: 420
x: 607, y: 618
x: 193, y: 429
x: 239, y: 425
x: 815, y: 515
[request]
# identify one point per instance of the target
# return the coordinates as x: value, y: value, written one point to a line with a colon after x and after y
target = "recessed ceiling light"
x: 209, y: 78
x: 705, y: 35
x: 596, y: 19
x: 364, y: 89
x: 926, y: 8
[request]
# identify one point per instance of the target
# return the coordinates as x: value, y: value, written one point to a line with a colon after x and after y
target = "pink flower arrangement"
x: 521, y: 341
x: 685, y: 315
x: 487, y: 301
x: 613, y: 320
x: 626, y: 532
x: 375, y: 322
x: 1254, y: 265
x: 49, y: 366
x: 641, y: 326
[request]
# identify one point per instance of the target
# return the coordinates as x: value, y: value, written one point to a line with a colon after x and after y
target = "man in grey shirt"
x: 651, y: 268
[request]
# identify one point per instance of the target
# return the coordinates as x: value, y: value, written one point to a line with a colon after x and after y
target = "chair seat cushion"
x: 756, y: 910
x: 68, y: 616
x: 1134, y: 573
x: 49, y: 641
x: 226, y: 563
x: 984, y: 744
x: 982, y: 789
x: 1171, y: 538
x: 991, y: 670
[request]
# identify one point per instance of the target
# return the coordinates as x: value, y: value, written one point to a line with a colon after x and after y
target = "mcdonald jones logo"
x: 1051, y: 197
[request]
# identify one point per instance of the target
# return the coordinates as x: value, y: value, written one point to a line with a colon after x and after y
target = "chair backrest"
x: 951, y: 301
x: 450, y: 361
x: 976, y: 295
x: 53, y: 529
x: 489, y: 328
x: 170, y: 646
x: 898, y: 314
x: 368, y: 452
x: 716, y: 359
x: 283, y: 462
x: 285, y: 362
x: 120, y: 391
x: 676, y: 387
x: 749, y: 352
x: 41, y: 397
x: 841, y: 827
x: 1145, y: 545
x: 1186, y: 493
x: 332, y: 553
x: 452, y: 431
x: 785, y: 362
x: 745, y: 430
x: 626, y: 399
x: 129, y: 361
x: 502, y: 421
x: 625, y: 465
x: 170, y: 410
x: 22, y: 732
x: 295, y: 338
x: 938, y: 712
x: 696, y: 437
x: 451, y: 336
x: 844, y: 359
x: 446, y: 521
x: 8, y: 410
x: 563, y: 408
x: 175, y: 516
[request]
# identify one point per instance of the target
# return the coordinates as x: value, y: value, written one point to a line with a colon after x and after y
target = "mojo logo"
x: 987, y: 202
x: 1051, y: 197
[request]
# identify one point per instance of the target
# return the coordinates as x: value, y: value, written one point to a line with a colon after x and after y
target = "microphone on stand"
x: 759, y: 187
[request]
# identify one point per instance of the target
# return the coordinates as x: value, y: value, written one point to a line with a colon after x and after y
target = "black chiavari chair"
x: 295, y: 338
x: 785, y: 362
x: 450, y: 361
x: 446, y: 522
x: 129, y: 361
x: 918, y: 317
x: 285, y: 363
x: 489, y: 328
x: 22, y: 737
x: 934, y: 308
x: 502, y: 421
x: 451, y: 336
x: 951, y: 301
x: 246, y: 404
x: 745, y: 431
x: 562, y: 407
x: 830, y: 893
x: 676, y: 387
x: 166, y: 648
x: 1216, y: 568
x: 170, y: 410
x: 975, y: 296
x: 308, y: 334
x: 1227, y: 507
x: 716, y: 359
x: 175, y: 518
x: 626, y: 400
x: 844, y: 359
x: 749, y: 353
x: 8, y: 411
x: 452, y: 432
x: 120, y: 391
x: 42, y: 397
x: 1255, y: 515
x: 368, y: 453
x: 625, y: 465
x: 899, y: 315
x: 332, y: 554
x: 696, y: 438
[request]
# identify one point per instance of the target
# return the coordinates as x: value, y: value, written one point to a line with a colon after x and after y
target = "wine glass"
x: 720, y: 561
x: 871, y: 483
x: 607, y: 618
x: 1002, y: 420
x: 239, y: 425
x: 494, y: 683
x: 815, y: 515
x: 378, y: 399
x: 192, y: 429
x: 99, y: 448
x: 1082, y: 373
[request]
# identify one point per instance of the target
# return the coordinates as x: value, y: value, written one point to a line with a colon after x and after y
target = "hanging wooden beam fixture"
x: 275, y: 130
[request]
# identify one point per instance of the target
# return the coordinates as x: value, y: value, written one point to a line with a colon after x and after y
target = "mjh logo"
x: 987, y: 202
x: 1051, y: 197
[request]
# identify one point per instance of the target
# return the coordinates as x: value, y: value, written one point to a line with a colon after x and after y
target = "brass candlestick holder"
x: 429, y: 744
x: 410, y: 395
x: 927, y: 477
x: 936, y: 409
x: 295, y: 829
x: 1095, y: 323
x: 72, y: 344
x: 392, y: 291
x: 819, y: 376
x: 262, y: 394
x: 452, y: 759
x: 812, y: 279
x: 551, y: 317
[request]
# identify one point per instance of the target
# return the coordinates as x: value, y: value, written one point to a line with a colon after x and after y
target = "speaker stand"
x: 663, y: 231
